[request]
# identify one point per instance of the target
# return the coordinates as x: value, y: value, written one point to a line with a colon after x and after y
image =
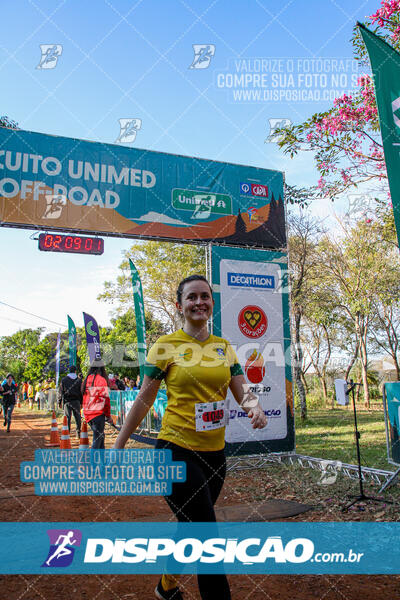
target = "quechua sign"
x: 58, y: 183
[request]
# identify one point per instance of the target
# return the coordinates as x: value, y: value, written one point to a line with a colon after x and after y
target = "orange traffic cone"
x: 65, y: 442
x: 18, y: 405
x: 54, y: 436
x: 84, y: 438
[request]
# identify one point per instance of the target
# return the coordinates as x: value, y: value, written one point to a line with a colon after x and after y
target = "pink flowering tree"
x: 345, y: 140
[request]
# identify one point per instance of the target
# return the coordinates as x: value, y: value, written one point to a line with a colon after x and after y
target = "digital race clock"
x: 76, y: 244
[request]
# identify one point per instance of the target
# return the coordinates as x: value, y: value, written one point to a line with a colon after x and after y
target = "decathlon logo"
x: 261, y: 282
x: 191, y: 550
x: 62, y: 547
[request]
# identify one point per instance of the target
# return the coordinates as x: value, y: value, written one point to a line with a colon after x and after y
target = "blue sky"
x: 125, y: 59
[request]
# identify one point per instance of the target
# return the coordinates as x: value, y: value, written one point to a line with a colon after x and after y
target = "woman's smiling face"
x: 197, y: 302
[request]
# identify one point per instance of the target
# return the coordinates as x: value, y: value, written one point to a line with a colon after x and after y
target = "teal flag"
x: 385, y: 63
x: 139, y: 316
x: 71, y: 342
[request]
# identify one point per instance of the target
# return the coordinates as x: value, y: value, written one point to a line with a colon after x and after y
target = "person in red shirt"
x: 96, y: 403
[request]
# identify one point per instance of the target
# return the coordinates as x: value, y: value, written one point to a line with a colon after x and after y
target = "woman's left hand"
x: 257, y: 416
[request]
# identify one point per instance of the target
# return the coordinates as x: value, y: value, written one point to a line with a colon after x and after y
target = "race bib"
x: 210, y: 415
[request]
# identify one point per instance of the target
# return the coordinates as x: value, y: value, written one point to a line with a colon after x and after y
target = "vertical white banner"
x: 252, y: 320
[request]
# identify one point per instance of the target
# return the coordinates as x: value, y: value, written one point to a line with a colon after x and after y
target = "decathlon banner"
x: 385, y: 63
x: 139, y: 316
x: 49, y: 182
x: 92, y: 339
x: 252, y: 312
x: 249, y: 548
x: 71, y: 342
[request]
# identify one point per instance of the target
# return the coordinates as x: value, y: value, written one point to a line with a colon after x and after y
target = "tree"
x: 8, y: 123
x: 354, y: 268
x: 345, y: 139
x: 38, y: 361
x: 162, y: 265
x: 15, y: 350
x: 303, y: 234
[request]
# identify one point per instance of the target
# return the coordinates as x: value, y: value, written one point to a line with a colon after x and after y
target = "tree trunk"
x: 303, y: 379
x: 298, y: 362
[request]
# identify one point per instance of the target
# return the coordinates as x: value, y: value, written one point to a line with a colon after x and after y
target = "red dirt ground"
x: 30, y: 430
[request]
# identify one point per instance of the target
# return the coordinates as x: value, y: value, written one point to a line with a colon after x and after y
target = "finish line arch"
x: 53, y: 183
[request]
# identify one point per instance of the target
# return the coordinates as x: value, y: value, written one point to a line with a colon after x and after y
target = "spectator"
x: 9, y: 392
x: 70, y: 398
x: 96, y: 404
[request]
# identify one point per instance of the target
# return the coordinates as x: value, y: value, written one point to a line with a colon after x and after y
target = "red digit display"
x: 74, y: 244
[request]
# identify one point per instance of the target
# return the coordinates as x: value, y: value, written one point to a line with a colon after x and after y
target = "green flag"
x: 385, y: 63
x: 71, y: 342
x: 140, y: 319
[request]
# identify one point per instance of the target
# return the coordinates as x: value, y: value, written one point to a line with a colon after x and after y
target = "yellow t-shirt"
x: 195, y: 372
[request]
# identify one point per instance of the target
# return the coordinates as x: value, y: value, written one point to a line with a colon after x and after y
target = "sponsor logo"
x: 241, y: 414
x: 252, y: 321
x: 62, y: 547
x: 254, y: 368
x: 203, y: 54
x: 200, y: 204
x: 254, y: 189
x: 263, y: 282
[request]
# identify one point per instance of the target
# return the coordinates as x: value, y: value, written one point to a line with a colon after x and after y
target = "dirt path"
x: 30, y: 430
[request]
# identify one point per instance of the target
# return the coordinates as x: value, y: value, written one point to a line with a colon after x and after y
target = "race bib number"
x: 210, y: 415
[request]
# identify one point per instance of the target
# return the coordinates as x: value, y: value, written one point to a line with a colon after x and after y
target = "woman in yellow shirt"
x: 198, y: 369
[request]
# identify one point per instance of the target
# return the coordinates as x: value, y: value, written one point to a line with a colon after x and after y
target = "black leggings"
x: 193, y: 501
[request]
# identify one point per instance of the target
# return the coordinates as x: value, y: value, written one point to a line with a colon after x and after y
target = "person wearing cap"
x: 9, y: 393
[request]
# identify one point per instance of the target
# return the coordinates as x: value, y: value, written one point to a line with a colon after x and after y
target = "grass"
x: 330, y: 434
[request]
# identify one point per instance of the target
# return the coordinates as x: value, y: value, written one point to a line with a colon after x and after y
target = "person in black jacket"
x: 70, y: 398
x: 9, y: 393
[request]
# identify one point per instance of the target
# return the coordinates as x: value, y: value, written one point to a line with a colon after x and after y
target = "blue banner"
x: 50, y: 182
x: 250, y: 548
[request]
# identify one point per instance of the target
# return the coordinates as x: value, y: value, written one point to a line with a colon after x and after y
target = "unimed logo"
x: 190, y: 550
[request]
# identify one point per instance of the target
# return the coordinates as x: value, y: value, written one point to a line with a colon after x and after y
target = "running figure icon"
x: 62, y: 550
